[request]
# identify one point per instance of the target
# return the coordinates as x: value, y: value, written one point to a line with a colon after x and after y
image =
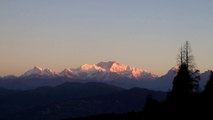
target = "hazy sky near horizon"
x: 68, y: 33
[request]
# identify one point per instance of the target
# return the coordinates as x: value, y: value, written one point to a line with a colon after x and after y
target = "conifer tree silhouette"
x: 185, y: 84
x: 182, y: 84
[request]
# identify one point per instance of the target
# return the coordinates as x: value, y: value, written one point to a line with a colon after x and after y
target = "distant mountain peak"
x: 89, y: 67
x: 118, y: 67
x: 66, y: 73
x: 37, y: 68
x: 38, y: 71
x: 174, y: 69
x: 107, y: 65
x: 67, y: 70
x: 113, y: 66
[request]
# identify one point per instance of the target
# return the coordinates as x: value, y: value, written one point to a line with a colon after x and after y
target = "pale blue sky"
x: 68, y: 33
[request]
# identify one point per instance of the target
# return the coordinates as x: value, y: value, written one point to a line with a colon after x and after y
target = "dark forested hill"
x: 72, y: 100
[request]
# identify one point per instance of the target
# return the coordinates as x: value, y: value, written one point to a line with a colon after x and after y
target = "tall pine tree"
x: 185, y: 84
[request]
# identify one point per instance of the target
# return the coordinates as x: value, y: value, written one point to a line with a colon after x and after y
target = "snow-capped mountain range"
x: 110, y: 72
x: 102, y: 70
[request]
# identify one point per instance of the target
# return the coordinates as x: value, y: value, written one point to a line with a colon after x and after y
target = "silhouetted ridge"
x: 73, y: 100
